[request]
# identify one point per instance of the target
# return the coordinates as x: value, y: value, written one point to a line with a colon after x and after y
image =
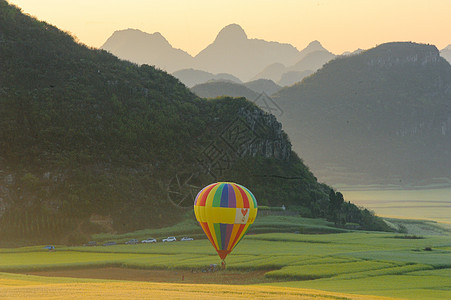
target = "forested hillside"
x: 379, y: 117
x: 213, y: 89
x: 87, y: 137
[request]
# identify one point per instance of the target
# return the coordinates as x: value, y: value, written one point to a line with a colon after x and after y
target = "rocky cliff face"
x: 270, y: 140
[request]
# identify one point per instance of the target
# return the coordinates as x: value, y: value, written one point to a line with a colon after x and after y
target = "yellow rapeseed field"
x: 31, y: 288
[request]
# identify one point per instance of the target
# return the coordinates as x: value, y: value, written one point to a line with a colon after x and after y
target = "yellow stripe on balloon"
x: 213, y: 234
x: 201, y: 211
x: 239, y: 197
x: 235, y: 229
x: 197, y: 212
x: 225, y: 215
x: 249, y: 198
x: 211, y: 195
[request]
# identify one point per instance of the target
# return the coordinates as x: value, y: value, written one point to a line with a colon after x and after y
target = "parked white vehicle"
x: 170, y: 239
x: 187, y: 238
x: 132, y: 242
x: 149, y: 241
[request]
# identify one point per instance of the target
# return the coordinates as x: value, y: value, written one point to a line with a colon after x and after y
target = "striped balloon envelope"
x: 225, y: 210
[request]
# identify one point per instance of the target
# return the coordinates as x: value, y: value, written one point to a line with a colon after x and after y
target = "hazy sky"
x: 191, y: 25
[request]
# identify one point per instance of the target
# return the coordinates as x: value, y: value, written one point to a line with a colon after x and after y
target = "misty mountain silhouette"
x: 250, y: 90
x: 144, y: 48
x: 233, y: 52
x: 191, y: 77
x: 290, y: 77
x: 231, y: 33
x: 312, y: 47
x: 312, y: 61
x: 263, y: 86
x: 446, y: 53
x: 272, y: 72
x: 313, y: 57
x: 213, y: 89
x: 382, y: 116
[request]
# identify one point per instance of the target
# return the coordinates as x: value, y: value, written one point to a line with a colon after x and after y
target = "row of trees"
x: 342, y: 213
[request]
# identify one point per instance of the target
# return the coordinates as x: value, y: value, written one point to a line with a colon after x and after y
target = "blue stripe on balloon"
x: 228, y: 235
x: 225, y: 196
x: 223, y: 229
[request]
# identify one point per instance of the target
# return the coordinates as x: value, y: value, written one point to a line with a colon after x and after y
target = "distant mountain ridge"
x: 310, y: 59
x: 384, y: 118
x: 232, y: 52
x: 249, y: 90
x: 144, y: 48
x: 446, y: 53
x: 263, y: 86
x: 192, y: 77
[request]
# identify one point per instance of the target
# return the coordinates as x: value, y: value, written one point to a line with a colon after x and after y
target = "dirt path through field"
x: 218, y: 277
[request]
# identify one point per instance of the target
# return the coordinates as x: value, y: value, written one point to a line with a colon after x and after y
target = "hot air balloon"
x: 225, y: 210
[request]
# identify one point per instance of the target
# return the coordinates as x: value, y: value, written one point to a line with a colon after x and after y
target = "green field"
x: 368, y: 263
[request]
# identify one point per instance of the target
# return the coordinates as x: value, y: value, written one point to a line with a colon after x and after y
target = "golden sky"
x: 191, y: 25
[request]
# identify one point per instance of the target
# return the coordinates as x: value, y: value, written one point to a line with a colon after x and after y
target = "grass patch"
x: 436, y: 258
x: 25, y: 261
x: 403, y: 286
x: 315, y: 271
x: 398, y: 270
x: 436, y: 272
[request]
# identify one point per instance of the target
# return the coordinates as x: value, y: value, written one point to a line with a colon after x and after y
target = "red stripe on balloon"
x: 240, y: 230
x: 203, y: 197
x: 244, y: 196
x: 208, y: 233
